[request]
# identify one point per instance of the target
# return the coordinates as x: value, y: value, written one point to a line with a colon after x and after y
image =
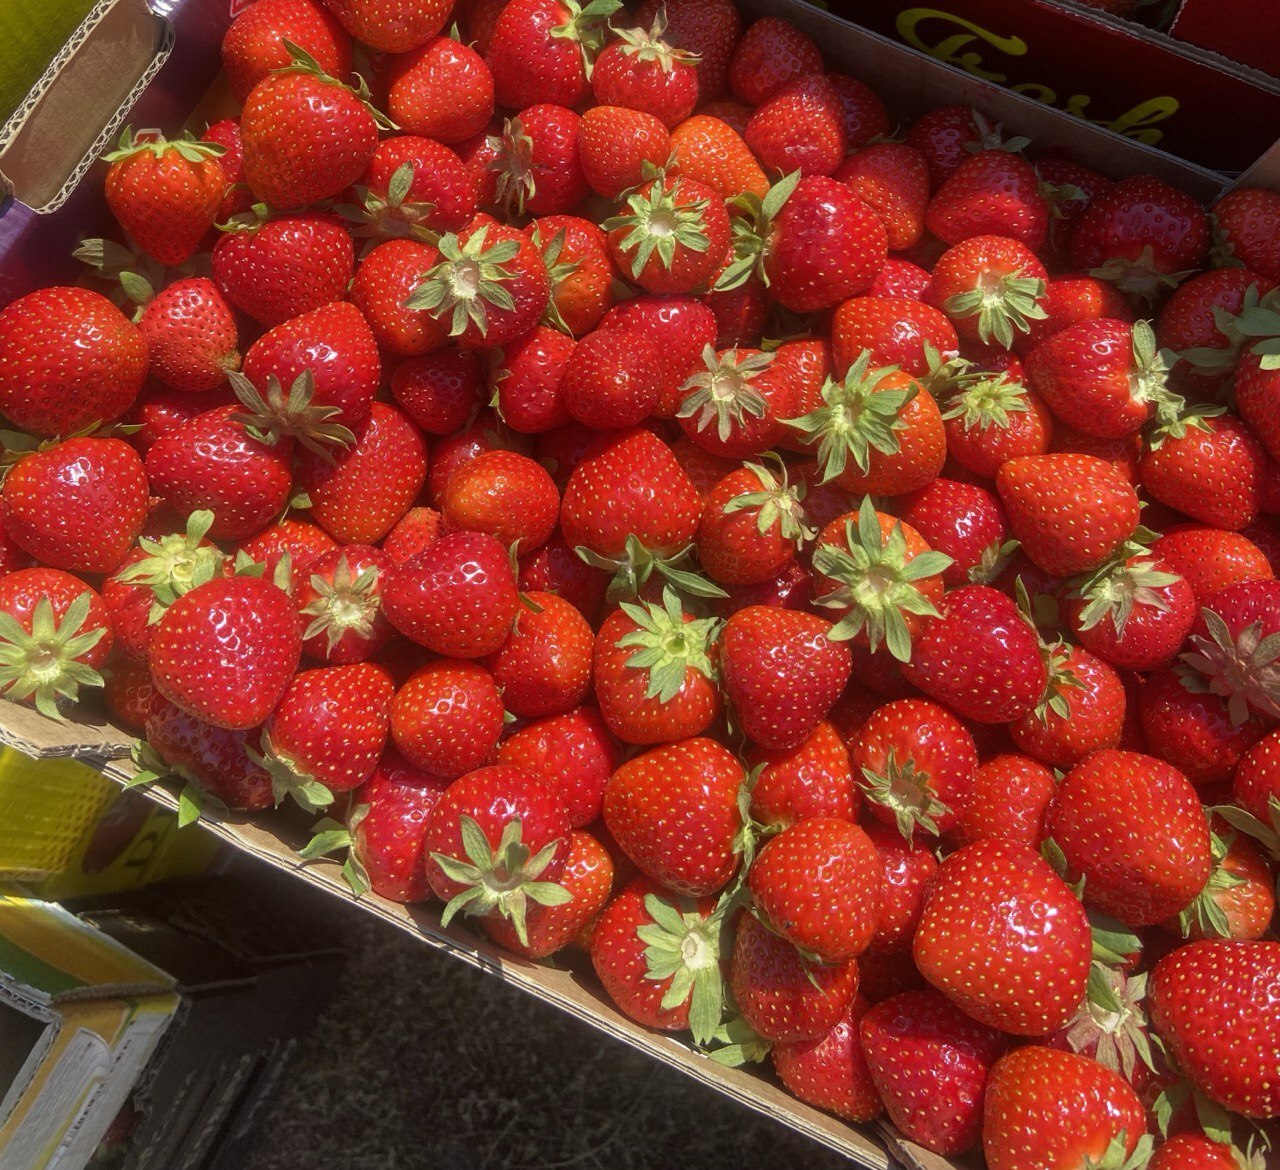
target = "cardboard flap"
x: 89, y: 737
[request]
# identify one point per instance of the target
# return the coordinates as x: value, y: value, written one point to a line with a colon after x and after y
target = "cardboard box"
x: 1243, y: 30
x: 80, y: 1016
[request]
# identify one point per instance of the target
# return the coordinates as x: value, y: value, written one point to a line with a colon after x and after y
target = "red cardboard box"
x: 1247, y: 31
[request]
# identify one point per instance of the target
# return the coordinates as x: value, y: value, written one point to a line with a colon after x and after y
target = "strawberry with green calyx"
x: 752, y: 524
x: 643, y: 71
x: 735, y: 407
x: 671, y: 235
x: 390, y: 215
x: 1238, y: 900
x: 966, y: 522
x: 1111, y: 1025
x: 881, y: 574
x: 584, y: 282
x: 1081, y: 710
x: 1256, y: 791
x: 1184, y: 1150
x: 273, y: 415
x: 341, y: 599
x: 1235, y: 649
x: 329, y: 836
x: 55, y: 633
x: 498, y: 840
x: 992, y: 419
x: 539, y: 162
x: 992, y: 287
x: 165, y: 193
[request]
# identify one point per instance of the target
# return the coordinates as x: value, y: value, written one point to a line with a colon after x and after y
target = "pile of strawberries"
x: 827, y: 576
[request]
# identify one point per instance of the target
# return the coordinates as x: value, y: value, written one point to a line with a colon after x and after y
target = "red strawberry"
x: 642, y: 71
x: 1191, y: 1151
x: 1081, y: 711
x: 442, y: 90
x: 896, y: 332
x: 713, y: 152
x: 505, y: 494
x: 576, y: 253
x: 416, y: 530
x: 992, y: 287
x: 446, y: 719
x: 386, y: 279
x: 746, y: 393
x: 539, y: 161
x: 710, y: 29
x: 770, y: 54
x: 498, y: 840
x: 893, y: 179
x: 865, y: 116
x: 783, y: 996
x: 574, y: 751
x: 812, y: 779
x: 620, y: 147
x: 55, y: 633
x: 946, y: 136
x: 1238, y: 901
x: 801, y: 128
x: 1210, y: 559
x: 1192, y: 729
x: 391, y: 27
x: 126, y: 693
x: 226, y: 651
x: 456, y: 597
x: 1233, y: 649
x: 303, y: 543
x: 1256, y: 785
x: 1070, y: 299
x: 544, y: 666
x: 675, y: 812
x: 414, y: 186
x: 1244, y: 228
x: 254, y: 44
x: 339, y: 597
x: 1216, y: 1005
x: 991, y: 193
x: 964, y: 522
x: 750, y: 526
x: 831, y: 1073
x: 1045, y: 1107
x: 71, y: 359
x: 612, y: 379
x: 1011, y: 796
x: 917, y: 763
x: 279, y: 268
x: 1070, y: 188
x: 191, y: 335
x: 542, y: 50
x: 930, y: 1062
x: 1257, y: 391
x: 441, y: 390
x: 236, y: 199
x: 908, y: 867
x: 1004, y: 938
x: 77, y: 505
x: 1070, y: 512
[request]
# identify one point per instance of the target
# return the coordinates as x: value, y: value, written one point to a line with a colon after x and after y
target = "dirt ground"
x: 422, y: 1063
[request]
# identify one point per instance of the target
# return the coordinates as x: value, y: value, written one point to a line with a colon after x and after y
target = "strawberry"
x: 413, y: 187
x: 892, y: 179
x: 801, y: 128
x: 544, y: 666
x: 745, y: 393
x: 526, y: 382
x: 812, y: 779
x: 588, y: 879
x: 159, y: 410
x: 416, y: 530
x: 1069, y: 188
x: 946, y: 136
x: 254, y: 44
x: 896, y: 332
x: 1044, y: 1107
x: 658, y: 957
x: 750, y: 526
x: 991, y: 193
x: 1142, y: 234
x: 505, y: 494
x: 539, y: 161
x: 1082, y: 709
x: 1233, y: 649
x: 1210, y: 559
x: 55, y: 632
x: 642, y: 71
x: 675, y: 811
x: 386, y: 278
x: 1070, y: 299
x: 865, y: 116
x: 361, y: 494
x: 770, y: 54
x: 446, y: 719
x: 77, y: 505
x: 1189, y: 1151
x: 574, y: 751
x: 190, y: 333
x: 339, y: 597
x: 907, y: 867
x: 457, y: 597
x: 680, y: 326
x: 1132, y: 827
x: 278, y: 268
x: 391, y: 27
x: 1011, y: 796
x: 1238, y: 901
x: 1070, y: 512
x: 439, y: 391
x: 443, y: 90
x: 226, y: 651
x: 930, y: 1063
x: 542, y: 50
x: 126, y: 693
x: 303, y: 543
x: 611, y: 380
x: 991, y: 286
x: 964, y: 522
x: 1004, y: 938
x: 917, y: 763
x: 831, y: 1073
x: 1200, y: 322
x: 708, y: 29
x: 512, y: 829
x: 576, y: 253
x: 1215, y: 1005
x: 782, y: 996
x: 713, y: 152
x: 1256, y: 784
x: 781, y: 672
x: 1257, y: 391
x: 619, y: 147
x: 990, y: 421
x: 1244, y: 229
x: 71, y: 359
x: 327, y: 733
x: 236, y: 199
x: 212, y: 463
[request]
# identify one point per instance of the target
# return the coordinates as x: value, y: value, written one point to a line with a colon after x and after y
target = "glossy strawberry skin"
x: 800, y: 128
x: 994, y: 193
x: 908, y: 869
x: 893, y: 178
x: 544, y: 666
x: 1094, y: 720
x: 214, y: 757
x: 711, y: 30
x: 442, y: 90
x: 447, y: 717
x: 23, y: 589
x: 191, y: 335
x: 770, y: 54
x: 831, y: 1073
x: 1010, y: 800
x: 575, y: 751
x: 252, y: 45
x: 391, y: 27
x: 529, y: 63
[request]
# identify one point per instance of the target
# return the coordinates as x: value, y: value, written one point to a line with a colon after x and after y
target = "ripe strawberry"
x: 190, y: 333
x: 542, y: 51
x: 55, y: 632
x: 1256, y: 784
x: 712, y: 152
x: 1004, y: 938
x: 1069, y: 188
x: 446, y: 719
x: 339, y: 597
x: 770, y: 54
x: 1070, y: 512
x: 917, y: 762
x: 991, y: 286
x: 442, y: 90
x: 947, y: 136
x: 1192, y: 730
x: 658, y: 957
x: 414, y: 186
x: 1244, y: 229
x: 619, y: 147
x: 907, y: 869
x: 498, y: 840
x: 1215, y: 1005
x: 611, y: 380
x: 709, y: 29
x: 812, y: 779
x: 675, y: 812
x: 681, y: 327
x: 278, y: 268
x: 865, y: 116
x: 1210, y: 559
x: 1238, y: 901
x: 1192, y: 323
x: 991, y: 193
x: 1190, y: 1151
x: 77, y: 505
x: 539, y: 161
x: 457, y: 597
x: 1045, y: 1107
x: 71, y: 359
x: 126, y: 693
x: 525, y: 378
x: 1232, y: 648
x: 750, y: 526
x: 782, y: 996
x: 416, y: 530
x: 159, y: 410
x: 1011, y: 796
x: 254, y: 44
x: 930, y: 1063
x: 361, y: 494
x: 236, y: 199
x: 892, y: 179
x: 505, y: 494
x: 801, y: 128
x: 303, y: 543
x: 386, y: 279
x: 1070, y: 299
x: 831, y: 1073
x: 544, y: 666
x: 896, y: 332
x: 1257, y: 391
x: 226, y: 651
x: 440, y: 391
x: 574, y: 751
x: 641, y: 71
x: 964, y: 522
x: 576, y: 253
x: 391, y: 27
x: 1081, y: 711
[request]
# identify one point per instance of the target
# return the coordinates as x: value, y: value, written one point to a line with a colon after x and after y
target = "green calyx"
x: 683, y: 946
x: 289, y: 778
x: 1139, y: 279
x: 513, y: 165
x: 558, y: 271
x: 346, y: 604
x: 1205, y: 913
x: 876, y: 582
x: 856, y: 418
x: 1175, y: 420
x: 1003, y: 303
x: 650, y: 47
x: 194, y: 801
x: 993, y: 561
x: 637, y: 564
x: 1149, y: 373
x: 1244, y: 672
x: 1111, y: 1024
x: 1266, y: 835
x: 1117, y: 1157
x: 945, y: 377
x: 587, y: 26
x: 189, y: 148
x: 778, y: 503
x: 276, y: 415
x: 330, y: 836
x: 300, y: 61
x: 390, y: 216
x: 987, y: 403
x: 1258, y: 321
x: 668, y: 646
x: 752, y: 220
x: 1127, y: 579
x: 502, y: 880
x: 43, y: 667
x: 175, y: 564
x: 722, y: 392
x: 1062, y: 679
x: 658, y: 224
x: 737, y: 1043
x: 468, y: 280
x: 908, y: 792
